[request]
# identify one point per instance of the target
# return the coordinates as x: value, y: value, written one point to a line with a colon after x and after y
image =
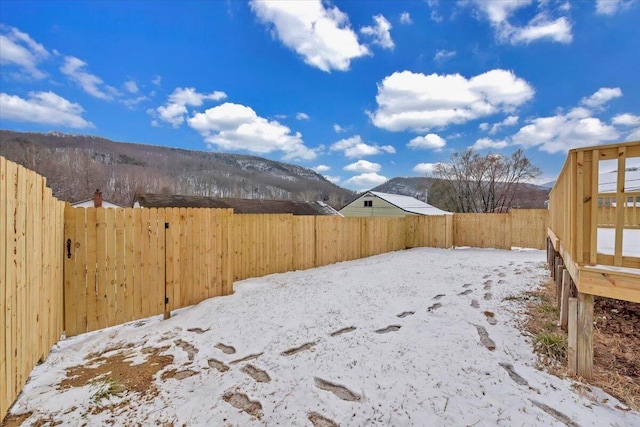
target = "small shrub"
x: 106, y: 387
x: 551, y: 345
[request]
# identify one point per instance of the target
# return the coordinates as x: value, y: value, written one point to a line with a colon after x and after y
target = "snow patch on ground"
x: 394, y: 339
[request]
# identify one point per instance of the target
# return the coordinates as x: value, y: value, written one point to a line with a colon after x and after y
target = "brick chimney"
x: 97, y: 199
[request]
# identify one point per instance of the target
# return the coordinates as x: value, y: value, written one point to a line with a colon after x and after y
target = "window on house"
x: 368, y: 203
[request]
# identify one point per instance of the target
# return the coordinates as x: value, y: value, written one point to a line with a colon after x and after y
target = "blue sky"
x: 361, y: 91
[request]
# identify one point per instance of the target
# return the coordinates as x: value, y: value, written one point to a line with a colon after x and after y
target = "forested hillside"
x: 77, y: 165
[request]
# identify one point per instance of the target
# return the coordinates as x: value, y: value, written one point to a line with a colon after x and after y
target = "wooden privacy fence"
x: 75, y: 270
x: 126, y: 264
x: 524, y: 228
x: 31, y: 305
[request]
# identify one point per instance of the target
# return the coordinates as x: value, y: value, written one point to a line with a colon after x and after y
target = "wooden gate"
x: 126, y: 264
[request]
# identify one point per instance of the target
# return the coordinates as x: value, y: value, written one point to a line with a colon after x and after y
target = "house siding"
x: 380, y: 208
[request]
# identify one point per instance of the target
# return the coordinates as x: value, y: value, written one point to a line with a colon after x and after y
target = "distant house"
x: 96, y: 202
x: 374, y: 203
x: 239, y: 206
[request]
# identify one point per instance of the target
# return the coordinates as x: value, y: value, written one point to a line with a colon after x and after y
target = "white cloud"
x: 435, y: 15
x: 302, y: 116
x: 601, y: 97
x: 405, y: 18
x: 425, y: 168
x: 419, y: 102
x: 175, y: 109
x: 130, y: 103
x: 381, y: 32
x: 362, y: 166
x: 611, y: 7
x: 540, y: 27
x: 366, y: 180
x: 338, y: 129
x: 508, y: 121
x: 356, y: 147
x: 322, y: 168
x: 21, y: 50
x: 443, y: 55
x: 483, y: 126
x: 157, y: 80
x: 484, y: 143
x: 317, y: 31
x: 626, y: 119
x: 131, y: 86
x: 633, y: 136
x: 237, y: 127
x: 430, y: 141
x: 43, y: 108
x: 90, y: 83
x: 563, y: 132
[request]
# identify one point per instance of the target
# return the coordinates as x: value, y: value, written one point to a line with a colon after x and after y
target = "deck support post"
x: 572, y: 344
x: 585, y: 336
x: 564, y: 303
x: 558, y: 277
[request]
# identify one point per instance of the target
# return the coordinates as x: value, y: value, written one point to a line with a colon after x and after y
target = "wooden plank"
x: 82, y: 281
x: 120, y: 267
x: 145, y: 264
x: 20, y: 296
x: 101, y: 269
x: 580, y: 208
x: 154, y: 286
x: 92, y: 279
x: 585, y: 336
x: 4, y: 284
x: 227, y: 252
x: 564, y: 304
x: 611, y: 284
x: 170, y: 249
x: 595, y: 173
x: 11, y: 277
x: 572, y: 344
x: 69, y: 271
x: 620, y: 203
x: 138, y: 268
x: 129, y: 255
x: 110, y: 288
x: 160, y: 262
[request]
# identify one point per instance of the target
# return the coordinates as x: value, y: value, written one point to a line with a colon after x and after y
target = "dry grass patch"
x: 616, y: 342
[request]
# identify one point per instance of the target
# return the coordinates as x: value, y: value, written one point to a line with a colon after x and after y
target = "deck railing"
x: 578, y: 209
x: 593, y: 242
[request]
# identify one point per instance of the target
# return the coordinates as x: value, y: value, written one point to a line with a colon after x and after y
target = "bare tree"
x: 475, y: 183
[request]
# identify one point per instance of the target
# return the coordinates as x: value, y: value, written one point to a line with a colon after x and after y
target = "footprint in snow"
x: 467, y: 292
x: 513, y: 374
x: 340, y: 391
x: 390, y: 328
x: 342, y: 331
x: 242, y: 402
x: 491, y: 317
x: 488, y: 296
x: 484, y: 338
x: 434, y: 306
x: 475, y: 304
x: 219, y: 365
x: 405, y: 314
x: 244, y: 359
x: 319, y: 421
x: 466, y: 285
x: 439, y: 296
x: 227, y: 349
x: 294, y: 350
x: 256, y: 373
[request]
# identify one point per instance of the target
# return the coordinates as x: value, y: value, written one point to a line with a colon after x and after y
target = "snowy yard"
x: 424, y: 337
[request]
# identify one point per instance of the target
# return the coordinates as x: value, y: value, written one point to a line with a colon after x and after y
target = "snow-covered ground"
x: 399, y: 339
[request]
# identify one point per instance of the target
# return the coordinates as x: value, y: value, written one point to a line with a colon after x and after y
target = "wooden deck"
x: 580, y: 264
